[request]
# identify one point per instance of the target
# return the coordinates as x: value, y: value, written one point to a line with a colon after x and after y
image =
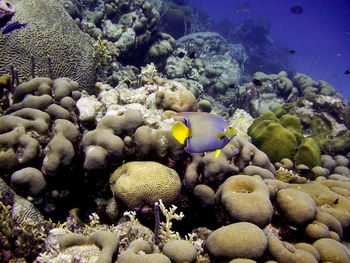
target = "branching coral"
x: 165, y: 232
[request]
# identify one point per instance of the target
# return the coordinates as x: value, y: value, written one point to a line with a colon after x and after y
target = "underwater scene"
x: 152, y: 131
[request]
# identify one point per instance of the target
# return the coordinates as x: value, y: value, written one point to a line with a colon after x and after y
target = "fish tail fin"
x: 217, y: 153
x: 180, y: 132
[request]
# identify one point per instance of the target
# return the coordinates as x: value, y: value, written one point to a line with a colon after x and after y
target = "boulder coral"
x: 28, y: 180
x: 106, y: 140
x: 141, y: 251
x: 144, y: 183
x: 246, y: 199
x: 238, y: 240
x: 105, y: 240
x: 271, y: 137
x: 285, y: 252
x: 17, y: 146
x: 156, y: 145
x: 308, y: 153
x: 63, y: 50
x: 235, y: 156
x: 329, y: 198
x: 298, y: 207
x: 60, y: 150
x: 332, y: 251
x: 179, y: 100
x: 180, y: 251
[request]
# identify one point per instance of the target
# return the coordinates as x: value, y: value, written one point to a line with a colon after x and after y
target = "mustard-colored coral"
x: 140, y: 183
x: 285, y: 175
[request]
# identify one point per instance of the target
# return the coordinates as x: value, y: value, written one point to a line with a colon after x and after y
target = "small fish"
x: 243, y: 8
x: 12, y: 27
x: 292, y: 52
x: 347, y: 72
x: 7, y: 11
x: 296, y: 9
x: 192, y: 55
x: 203, y: 132
x: 257, y: 82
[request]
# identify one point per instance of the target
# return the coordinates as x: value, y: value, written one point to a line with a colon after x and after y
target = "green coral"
x: 270, y: 136
x: 283, y: 138
x: 309, y: 153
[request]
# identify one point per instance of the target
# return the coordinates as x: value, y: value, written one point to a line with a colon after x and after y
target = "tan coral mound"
x: 139, y: 183
x: 246, y: 198
x: 244, y: 240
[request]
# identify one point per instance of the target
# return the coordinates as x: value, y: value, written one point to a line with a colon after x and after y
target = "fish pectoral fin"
x: 220, y: 135
x: 217, y: 153
x: 180, y: 132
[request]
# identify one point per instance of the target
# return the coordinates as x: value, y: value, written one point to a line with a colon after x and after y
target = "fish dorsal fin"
x: 180, y: 132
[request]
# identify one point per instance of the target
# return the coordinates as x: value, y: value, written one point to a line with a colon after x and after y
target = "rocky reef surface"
x: 92, y: 173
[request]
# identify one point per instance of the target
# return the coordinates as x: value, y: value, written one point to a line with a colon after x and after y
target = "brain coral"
x: 139, y: 183
x: 50, y: 31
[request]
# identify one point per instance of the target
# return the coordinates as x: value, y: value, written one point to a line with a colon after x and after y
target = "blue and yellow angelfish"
x: 203, y: 132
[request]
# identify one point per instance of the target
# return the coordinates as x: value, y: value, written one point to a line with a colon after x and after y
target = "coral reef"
x: 63, y: 50
x: 143, y: 183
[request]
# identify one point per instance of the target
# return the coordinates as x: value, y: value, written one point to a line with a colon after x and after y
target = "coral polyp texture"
x: 63, y: 50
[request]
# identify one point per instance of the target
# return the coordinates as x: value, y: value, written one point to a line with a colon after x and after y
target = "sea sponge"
x: 28, y: 180
x: 236, y: 240
x: 60, y: 150
x: 246, y: 198
x: 285, y: 252
x: 331, y: 251
x: 180, y: 251
x: 308, y: 153
x: 139, y: 183
x: 63, y: 50
x: 298, y: 207
x: 141, y: 251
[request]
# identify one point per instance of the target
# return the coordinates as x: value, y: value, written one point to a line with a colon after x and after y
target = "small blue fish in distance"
x: 203, y: 132
x: 7, y: 11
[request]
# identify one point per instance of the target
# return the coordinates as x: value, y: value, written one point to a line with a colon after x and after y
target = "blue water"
x: 318, y: 35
